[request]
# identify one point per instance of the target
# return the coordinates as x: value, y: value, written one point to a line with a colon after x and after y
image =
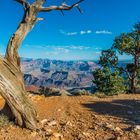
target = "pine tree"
x: 108, y: 78
x: 129, y: 43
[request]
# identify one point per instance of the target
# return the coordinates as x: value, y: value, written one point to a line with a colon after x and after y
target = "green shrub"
x: 108, y: 78
x: 108, y: 82
x: 100, y: 95
x: 83, y: 92
x: 4, y: 120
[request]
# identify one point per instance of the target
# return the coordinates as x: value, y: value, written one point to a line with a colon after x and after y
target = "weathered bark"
x: 13, y: 91
x: 136, y: 55
x: 132, y: 85
x: 24, y: 28
x: 134, y: 76
x: 27, y: 23
x: 12, y: 86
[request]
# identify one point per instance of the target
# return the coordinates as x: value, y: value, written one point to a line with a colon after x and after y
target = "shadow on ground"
x: 128, y: 110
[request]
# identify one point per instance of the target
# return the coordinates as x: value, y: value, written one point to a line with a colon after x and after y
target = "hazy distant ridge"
x: 56, y: 73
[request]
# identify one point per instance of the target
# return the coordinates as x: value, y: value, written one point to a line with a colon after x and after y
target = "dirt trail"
x: 82, y: 118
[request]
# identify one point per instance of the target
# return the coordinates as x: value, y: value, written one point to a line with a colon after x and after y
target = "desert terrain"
x: 80, y: 118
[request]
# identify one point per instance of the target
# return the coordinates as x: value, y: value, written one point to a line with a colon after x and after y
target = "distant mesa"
x: 69, y: 75
x: 60, y: 74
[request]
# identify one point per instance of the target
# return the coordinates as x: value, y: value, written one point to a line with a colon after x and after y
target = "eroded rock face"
x: 54, y: 73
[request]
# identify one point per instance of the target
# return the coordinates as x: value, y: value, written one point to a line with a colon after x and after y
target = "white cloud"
x: 79, y: 47
x: 57, y: 49
x: 98, y: 52
x: 98, y: 48
x: 89, y: 31
x: 104, y: 32
x: 83, y: 32
x: 37, y: 46
x: 72, y: 33
x: 68, y: 33
x: 67, y: 49
x: 61, y: 50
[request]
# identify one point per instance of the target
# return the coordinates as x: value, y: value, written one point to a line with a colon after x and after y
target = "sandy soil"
x: 81, y: 118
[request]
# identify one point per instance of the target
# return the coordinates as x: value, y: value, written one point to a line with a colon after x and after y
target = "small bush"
x: 4, y: 120
x: 108, y: 82
x: 100, y: 95
x: 53, y: 92
x: 83, y: 92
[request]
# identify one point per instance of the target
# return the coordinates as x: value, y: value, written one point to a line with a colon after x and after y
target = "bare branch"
x: 24, y: 3
x: 62, y: 12
x: 126, y: 71
x: 62, y: 7
x: 28, y: 22
x: 129, y: 76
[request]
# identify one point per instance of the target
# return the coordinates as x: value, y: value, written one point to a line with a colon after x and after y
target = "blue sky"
x: 74, y: 36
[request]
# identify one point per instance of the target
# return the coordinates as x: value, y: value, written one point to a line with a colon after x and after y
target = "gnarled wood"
x: 27, y: 23
x: 24, y: 27
x: 12, y: 90
x: 12, y: 87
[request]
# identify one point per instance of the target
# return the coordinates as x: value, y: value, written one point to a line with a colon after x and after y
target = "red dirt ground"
x: 81, y: 118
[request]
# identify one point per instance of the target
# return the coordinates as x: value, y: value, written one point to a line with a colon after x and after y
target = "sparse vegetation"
x: 46, y: 91
x: 111, y: 78
x: 108, y: 77
x: 4, y: 120
x: 81, y: 117
x: 100, y: 95
x: 12, y: 86
x: 83, y: 92
x: 129, y: 43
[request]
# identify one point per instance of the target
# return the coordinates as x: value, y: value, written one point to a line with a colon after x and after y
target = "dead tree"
x: 12, y: 86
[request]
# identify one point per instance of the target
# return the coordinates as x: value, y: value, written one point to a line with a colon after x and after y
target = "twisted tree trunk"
x: 12, y: 86
x: 13, y: 91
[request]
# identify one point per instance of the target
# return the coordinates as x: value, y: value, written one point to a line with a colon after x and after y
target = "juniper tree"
x: 129, y: 43
x: 12, y: 87
x: 108, y: 78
